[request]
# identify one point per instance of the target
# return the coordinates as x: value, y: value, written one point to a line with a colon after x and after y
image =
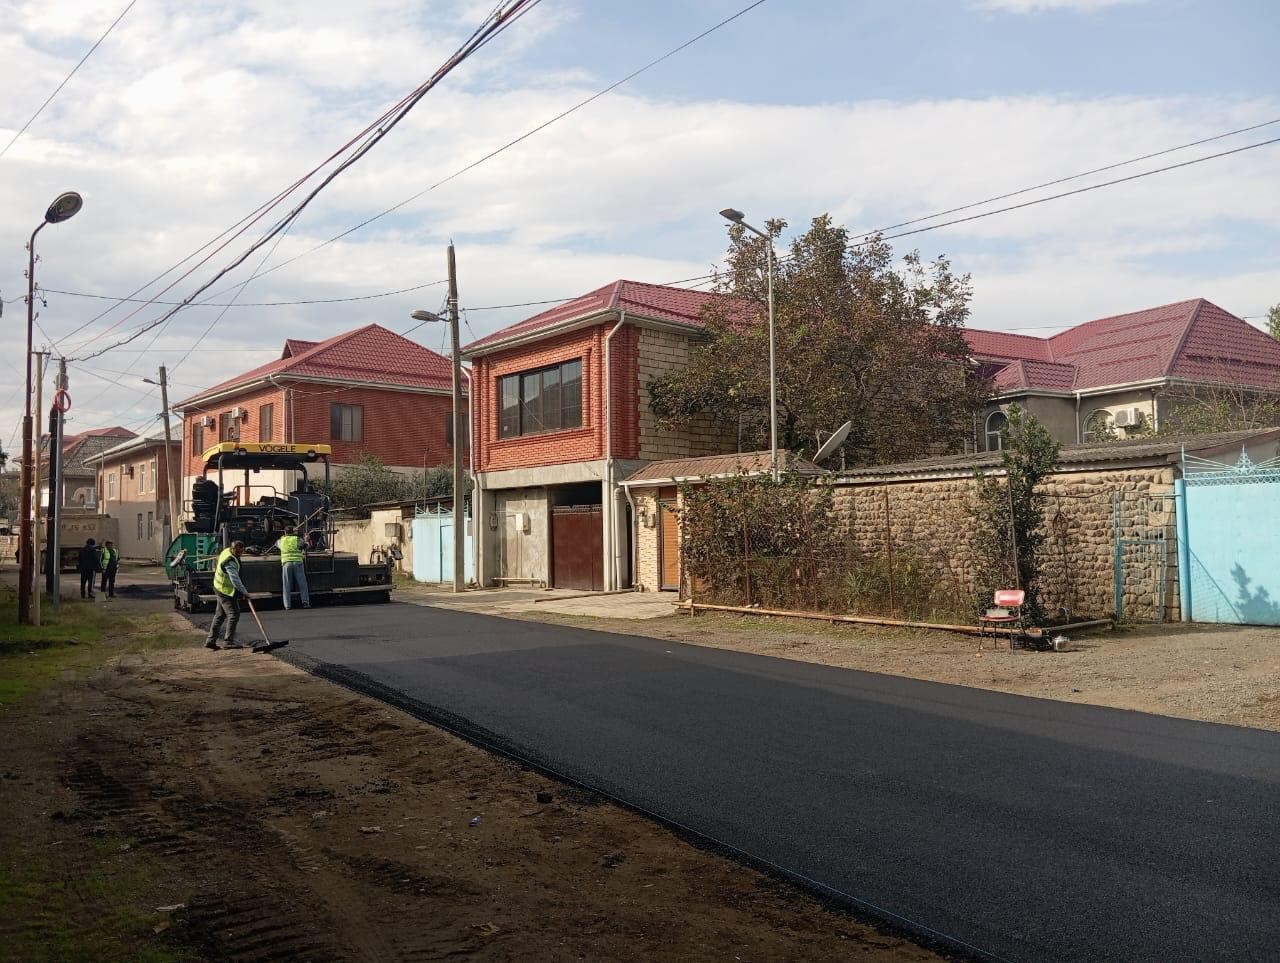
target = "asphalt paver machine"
x: 251, y: 492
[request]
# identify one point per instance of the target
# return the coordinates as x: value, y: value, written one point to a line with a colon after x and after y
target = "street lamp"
x: 736, y: 216
x: 64, y: 207
x: 459, y: 530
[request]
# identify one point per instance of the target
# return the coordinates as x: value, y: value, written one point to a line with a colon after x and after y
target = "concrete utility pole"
x: 64, y: 207
x: 34, y: 520
x: 459, y: 493
x: 168, y: 456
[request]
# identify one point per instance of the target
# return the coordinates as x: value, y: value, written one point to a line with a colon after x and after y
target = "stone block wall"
x: 930, y: 520
x: 659, y: 353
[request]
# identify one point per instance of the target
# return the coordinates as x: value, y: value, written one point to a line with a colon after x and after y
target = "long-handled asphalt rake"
x: 266, y: 645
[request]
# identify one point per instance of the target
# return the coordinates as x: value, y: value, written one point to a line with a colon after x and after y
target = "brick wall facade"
x: 638, y: 354
x: 401, y: 428
x: 586, y: 443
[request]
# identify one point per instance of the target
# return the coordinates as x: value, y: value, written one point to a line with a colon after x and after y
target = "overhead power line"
x: 1074, y: 177
x: 1081, y: 190
x: 523, y: 137
x: 497, y: 22
x: 243, y: 304
x: 701, y: 279
x: 66, y: 79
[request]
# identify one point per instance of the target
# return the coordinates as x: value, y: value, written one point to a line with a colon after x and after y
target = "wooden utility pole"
x: 57, y: 417
x: 459, y: 490
x: 168, y: 456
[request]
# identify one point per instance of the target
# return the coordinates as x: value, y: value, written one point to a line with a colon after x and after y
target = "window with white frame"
x: 111, y: 484
x: 996, y: 423
x: 154, y: 474
x: 142, y: 478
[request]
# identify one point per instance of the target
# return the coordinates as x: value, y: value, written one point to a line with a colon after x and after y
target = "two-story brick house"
x: 368, y: 391
x: 561, y: 416
x: 1121, y: 375
x: 133, y: 487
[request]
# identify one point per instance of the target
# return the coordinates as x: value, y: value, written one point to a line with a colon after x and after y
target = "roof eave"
x: 575, y: 323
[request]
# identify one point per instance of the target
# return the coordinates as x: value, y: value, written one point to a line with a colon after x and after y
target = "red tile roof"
x: 1006, y: 346
x: 1047, y: 375
x: 294, y: 346
x: 1190, y: 339
x: 678, y: 305
x: 371, y: 355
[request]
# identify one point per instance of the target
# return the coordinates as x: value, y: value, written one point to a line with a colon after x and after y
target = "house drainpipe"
x: 612, y: 496
x: 1078, y: 434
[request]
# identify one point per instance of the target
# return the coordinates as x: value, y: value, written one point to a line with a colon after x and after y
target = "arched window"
x: 996, y: 422
x: 1098, y: 427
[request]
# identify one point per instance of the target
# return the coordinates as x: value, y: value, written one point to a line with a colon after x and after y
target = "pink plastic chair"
x: 1007, y: 611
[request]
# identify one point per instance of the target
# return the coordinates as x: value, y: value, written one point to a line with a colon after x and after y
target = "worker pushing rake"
x: 228, y: 589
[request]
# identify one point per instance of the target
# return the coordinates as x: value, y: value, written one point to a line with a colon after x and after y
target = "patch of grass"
x: 97, y: 915
x: 78, y: 635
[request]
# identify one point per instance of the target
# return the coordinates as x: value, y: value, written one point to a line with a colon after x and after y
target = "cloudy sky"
x: 191, y: 114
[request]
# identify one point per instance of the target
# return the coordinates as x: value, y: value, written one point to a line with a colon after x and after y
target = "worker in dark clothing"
x: 110, y: 564
x: 90, y: 565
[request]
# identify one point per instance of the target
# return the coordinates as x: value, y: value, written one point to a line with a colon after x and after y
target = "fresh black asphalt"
x: 1026, y: 828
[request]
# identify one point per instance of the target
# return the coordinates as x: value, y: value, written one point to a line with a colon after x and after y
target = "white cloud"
x: 194, y: 115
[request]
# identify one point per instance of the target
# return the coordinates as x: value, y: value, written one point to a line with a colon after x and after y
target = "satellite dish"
x: 835, y: 441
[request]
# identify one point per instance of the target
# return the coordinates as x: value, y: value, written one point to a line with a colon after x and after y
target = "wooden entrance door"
x: 577, y: 547
x: 668, y: 547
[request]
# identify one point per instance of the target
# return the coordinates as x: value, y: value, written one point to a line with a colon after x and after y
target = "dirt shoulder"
x: 1226, y: 674
x: 291, y: 819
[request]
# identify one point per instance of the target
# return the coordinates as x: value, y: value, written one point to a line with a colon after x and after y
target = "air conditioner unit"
x: 208, y: 421
x: 239, y: 413
x: 127, y: 471
x: 1128, y: 418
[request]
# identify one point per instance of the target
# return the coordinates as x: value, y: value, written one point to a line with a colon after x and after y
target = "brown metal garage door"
x: 577, y: 547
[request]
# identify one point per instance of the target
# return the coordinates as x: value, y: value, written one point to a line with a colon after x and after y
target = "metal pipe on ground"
x: 899, y: 623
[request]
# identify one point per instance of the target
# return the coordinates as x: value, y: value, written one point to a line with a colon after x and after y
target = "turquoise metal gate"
x: 433, y: 548
x: 1229, y: 541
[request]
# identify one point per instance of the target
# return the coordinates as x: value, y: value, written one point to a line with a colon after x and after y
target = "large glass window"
x: 548, y: 399
x: 346, y: 422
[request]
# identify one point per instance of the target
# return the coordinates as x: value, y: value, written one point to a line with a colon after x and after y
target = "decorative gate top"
x: 1204, y: 471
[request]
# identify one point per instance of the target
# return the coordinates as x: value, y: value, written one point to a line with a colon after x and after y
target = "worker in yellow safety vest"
x: 293, y: 567
x: 227, y: 589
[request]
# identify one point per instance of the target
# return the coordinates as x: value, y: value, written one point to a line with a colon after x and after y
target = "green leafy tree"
x: 860, y: 337
x: 1009, y: 517
x: 356, y: 488
x: 1273, y: 321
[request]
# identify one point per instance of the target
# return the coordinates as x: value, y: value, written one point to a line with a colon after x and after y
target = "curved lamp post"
x: 64, y: 207
x: 736, y: 216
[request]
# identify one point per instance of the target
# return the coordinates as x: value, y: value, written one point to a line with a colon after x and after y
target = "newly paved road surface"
x: 1031, y: 829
